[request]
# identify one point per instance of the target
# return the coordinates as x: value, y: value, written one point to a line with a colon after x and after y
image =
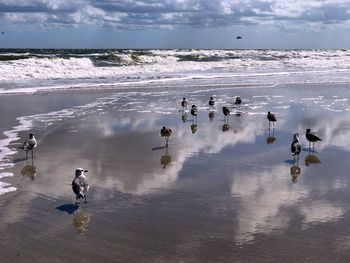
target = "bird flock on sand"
x: 80, y: 185
x: 296, y: 148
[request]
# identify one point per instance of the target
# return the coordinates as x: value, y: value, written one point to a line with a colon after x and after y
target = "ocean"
x: 35, y: 70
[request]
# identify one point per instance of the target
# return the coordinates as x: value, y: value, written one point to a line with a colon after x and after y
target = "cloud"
x: 132, y: 14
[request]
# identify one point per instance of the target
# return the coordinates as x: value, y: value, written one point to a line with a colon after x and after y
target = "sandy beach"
x: 212, y: 196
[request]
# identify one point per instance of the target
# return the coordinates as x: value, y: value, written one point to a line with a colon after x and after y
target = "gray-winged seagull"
x: 80, y: 184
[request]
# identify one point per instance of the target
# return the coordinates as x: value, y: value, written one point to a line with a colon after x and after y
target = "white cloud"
x: 170, y: 14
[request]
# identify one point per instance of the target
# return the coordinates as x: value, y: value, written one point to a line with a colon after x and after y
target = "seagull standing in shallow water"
x: 29, y: 144
x: 184, y: 103
x: 225, y: 111
x: 312, y: 138
x: 80, y: 185
x: 272, y: 118
x: 211, y: 102
x: 238, y: 101
x: 166, y: 132
x: 295, y: 146
x: 194, y: 111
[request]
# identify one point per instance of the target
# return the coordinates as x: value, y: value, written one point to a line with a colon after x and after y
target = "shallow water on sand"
x: 218, y: 193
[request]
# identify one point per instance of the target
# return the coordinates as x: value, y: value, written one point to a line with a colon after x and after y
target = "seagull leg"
x: 85, y: 199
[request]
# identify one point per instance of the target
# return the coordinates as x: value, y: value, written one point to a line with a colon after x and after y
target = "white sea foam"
x: 157, y: 66
x: 5, y: 187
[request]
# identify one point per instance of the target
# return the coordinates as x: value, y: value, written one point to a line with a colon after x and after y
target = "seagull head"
x: 296, y: 137
x: 80, y: 171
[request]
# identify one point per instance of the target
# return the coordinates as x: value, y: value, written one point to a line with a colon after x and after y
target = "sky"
x: 275, y: 24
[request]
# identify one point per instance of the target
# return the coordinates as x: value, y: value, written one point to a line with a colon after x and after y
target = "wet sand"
x: 212, y: 196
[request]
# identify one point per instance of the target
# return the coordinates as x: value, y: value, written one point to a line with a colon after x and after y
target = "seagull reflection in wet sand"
x: 211, y: 115
x: 184, y: 117
x: 312, y: 138
x: 271, y: 138
x: 311, y: 159
x: 166, y: 133
x: 165, y: 159
x: 81, y: 221
x: 194, y: 128
x: 80, y: 185
x: 29, y: 170
x: 295, y: 171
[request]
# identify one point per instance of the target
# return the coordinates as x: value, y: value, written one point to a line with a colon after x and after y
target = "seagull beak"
x: 85, y: 171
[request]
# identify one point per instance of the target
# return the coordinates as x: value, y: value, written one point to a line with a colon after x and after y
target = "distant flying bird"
x: 295, y: 146
x: 312, y: 137
x: 29, y: 144
x: 272, y: 118
x: 211, y: 101
x: 80, y: 185
x: 2, y: 32
x: 165, y: 132
x: 238, y: 37
x: 184, y: 103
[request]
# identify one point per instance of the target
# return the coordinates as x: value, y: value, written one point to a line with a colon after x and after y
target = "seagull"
x: 238, y: 101
x: 165, y: 132
x: 225, y: 111
x: 29, y: 144
x: 272, y: 118
x: 295, y: 146
x: 211, y: 101
x: 194, y: 111
x: 312, y: 138
x: 238, y: 37
x: 184, y: 103
x: 80, y: 185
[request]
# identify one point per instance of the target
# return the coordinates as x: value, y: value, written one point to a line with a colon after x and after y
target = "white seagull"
x: 29, y: 144
x: 80, y: 185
